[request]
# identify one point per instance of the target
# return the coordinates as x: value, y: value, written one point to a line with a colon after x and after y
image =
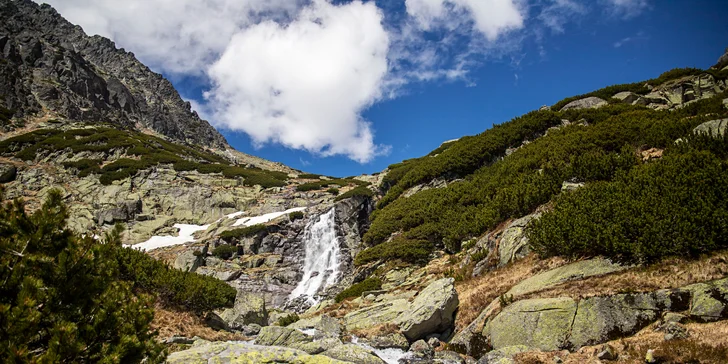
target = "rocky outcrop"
x: 354, y: 354
x: 50, y: 64
x: 281, y: 336
x: 626, y: 97
x: 714, y: 128
x: 513, y: 244
x: 374, y: 315
x: 249, y: 309
x: 709, y: 301
x: 569, y: 272
x: 590, y: 102
x: 432, y: 311
x: 7, y: 172
x: 228, y: 352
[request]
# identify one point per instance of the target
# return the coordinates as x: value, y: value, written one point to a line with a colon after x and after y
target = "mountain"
x: 51, y: 67
x: 592, y: 229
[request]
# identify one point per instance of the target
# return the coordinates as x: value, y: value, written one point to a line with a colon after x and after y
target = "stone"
x: 216, y: 322
x: 542, y: 323
x: 229, y: 352
x: 374, y: 315
x: 8, y: 172
x: 281, y: 336
x: 470, y: 340
x: 715, y: 128
x: 725, y: 103
x: 570, y: 272
x: 434, y: 342
x: 394, y: 340
x: 422, y: 349
x: 503, y: 355
x: 327, y: 327
x: 709, y: 300
x: 432, y: 311
x: 251, y: 330
x: 188, y: 261
x: 448, y: 357
x: 626, y: 97
x: 674, y: 331
x: 591, y: 102
x: 571, y: 186
x: 513, y: 244
x: 396, y: 277
x: 607, y: 353
x: 249, y: 309
x: 353, y: 353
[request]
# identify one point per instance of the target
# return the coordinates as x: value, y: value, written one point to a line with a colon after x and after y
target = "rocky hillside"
x: 51, y: 68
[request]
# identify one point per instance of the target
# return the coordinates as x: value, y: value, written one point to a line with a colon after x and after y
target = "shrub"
x: 63, y: 297
x: 309, y: 176
x: 287, y: 320
x: 295, y: 215
x: 243, y: 232
x: 334, y: 191
x: 225, y: 251
x: 85, y: 167
x: 411, y: 251
x: 360, y: 191
x: 369, y: 284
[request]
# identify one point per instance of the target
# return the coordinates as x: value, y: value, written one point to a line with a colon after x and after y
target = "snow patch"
x: 250, y: 221
x: 184, y: 236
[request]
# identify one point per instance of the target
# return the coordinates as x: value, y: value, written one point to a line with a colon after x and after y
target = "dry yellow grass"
x: 180, y: 323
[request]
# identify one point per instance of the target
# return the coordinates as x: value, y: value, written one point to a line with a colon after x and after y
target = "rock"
x: 600, y: 319
x: 7, y: 172
x: 674, y: 331
x: 180, y: 340
x: 353, y: 353
x: 607, y: 353
x: 650, y: 356
x: 122, y: 212
x: 327, y: 327
x: 569, y: 272
x: 513, y: 243
x: 674, y: 317
x: 251, y: 330
x: 434, y: 342
x: 544, y: 108
x: 571, y: 186
x: 709, y: 300
x: 591, y: 102
x: 393, y: 340
x: 189, y: 260
x: 375, y: 315
x: 216, y: 322
x: 396, y: 277
x: 229, y: 352
x: 504, y: 355
x: 715, y: 128
x: 422, y: 349
x: 432, y: 311
x: 626, y: 97
x: 448, y: 357
x: 542, y: 323
x: 470, y: 340
x: 281, y: 336
x: 249, y: 309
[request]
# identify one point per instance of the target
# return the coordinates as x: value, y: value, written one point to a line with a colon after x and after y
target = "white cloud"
x: 627, y: 8
x: 304, y: 85
x: 490, y: 17
x: 556, y: 14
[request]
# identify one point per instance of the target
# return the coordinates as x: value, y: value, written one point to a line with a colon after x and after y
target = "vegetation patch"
x: 341, y: 182
x: 224, y: 251
x: 360, y: 191
x: 309, y: 176
x: 244, y: 232
x: 369, y: 284
x: 410, y: 251
x: 295, y: 215
x: 287, y: 320
x: 334, y: 191
x: 85, y: 167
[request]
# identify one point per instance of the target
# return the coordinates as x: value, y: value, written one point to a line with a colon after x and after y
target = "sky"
x: 343, y: 88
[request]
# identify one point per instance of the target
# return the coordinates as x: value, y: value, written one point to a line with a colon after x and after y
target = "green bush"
x: 309, y: 176
x: 360, y: 191
x: 243, y: 232
x: 224, y: 251
x: 295, y: 215
x: 334, y: 191
x: 369, y: 284
x: 85, y: 167
x: 410, y: 251
x: 287, y: 320
x: 341, y: 182
x: 64, y: 298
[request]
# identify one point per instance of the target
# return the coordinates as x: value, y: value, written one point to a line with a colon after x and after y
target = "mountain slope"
x: 50, y: 66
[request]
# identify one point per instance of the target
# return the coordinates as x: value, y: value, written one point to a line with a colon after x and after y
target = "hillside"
x: 587, y: 231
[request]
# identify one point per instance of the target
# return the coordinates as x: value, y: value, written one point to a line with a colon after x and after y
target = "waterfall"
x: 321, y: 263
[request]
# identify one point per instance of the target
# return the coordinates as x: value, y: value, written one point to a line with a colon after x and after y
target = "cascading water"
x: 321, y: 264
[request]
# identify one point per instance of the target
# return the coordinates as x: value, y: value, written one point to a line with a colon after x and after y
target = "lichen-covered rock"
x: 393, y: 340
x: 374, y: 315
x: 569, y: 272
x: 353, y: 353
x: 327, y: 327
x: 281, y: 336
x: 715, y: 128
x: 7, y: 172
x: 249, y: 309
x: 231, y: 352
x: 188, y: 261
x: 513, y: 243
x: 542, y: 323
x: 503, y: 355
x: 626, y: 97
x: 591, y: 102
x: 709, y: 300
x: 432, y: 311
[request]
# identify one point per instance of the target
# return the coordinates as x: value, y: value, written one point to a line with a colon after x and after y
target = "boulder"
x: 125, y: 211
x: 503, y: 355
x: 422, y: 349
x: 715, y: 128
x: 189, y: 260
x: 353, y: 353
x: 327, y: 327
x: 8, y: 172
x: 513, y: 243
x: 281, y: 336
x: 709, y: 301
x: 216, y: 322
x: 626, y: 97
x: 249, y: 309
x: 569, y: 272
x: 393, y: 340
x: 591, y: 102
x: 432, y: 311
x: 448, y: 357
x: 228, y: 352
x: 542, y: 323
x: 725, y: 103
x: 374, y: 315
x: 571, y: 186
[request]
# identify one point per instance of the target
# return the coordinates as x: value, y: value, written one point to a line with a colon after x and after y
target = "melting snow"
x: 184, y: 236
x: 250, y: 221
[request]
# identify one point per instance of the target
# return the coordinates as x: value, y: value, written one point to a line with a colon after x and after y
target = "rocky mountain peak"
x: 50, y: 66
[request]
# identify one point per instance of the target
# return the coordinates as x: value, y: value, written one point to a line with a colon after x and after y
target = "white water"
x: 321, y: 264
x: 184, y: 236
x: 250, y: 221
x: 389, y: 355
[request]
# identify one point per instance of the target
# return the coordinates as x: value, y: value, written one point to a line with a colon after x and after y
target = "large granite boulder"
x: 232, y: 352
x: 591, y: 102
x: 715, y: 128
x: 281, y: 336
x: 249, y: 309
x: 709, y: 301
x: 432, y: 311
x: 542, y: 323
x: 626, y: 97
x: 354, y: 354
x: 513, y: 244
x: 378, y: 314
x: 569, y: 272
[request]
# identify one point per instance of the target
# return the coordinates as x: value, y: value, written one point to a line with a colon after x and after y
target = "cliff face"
x: 50, y: 66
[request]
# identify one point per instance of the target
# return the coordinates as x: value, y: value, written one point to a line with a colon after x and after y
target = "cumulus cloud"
x: 489, y: 17
x: 305, y: 84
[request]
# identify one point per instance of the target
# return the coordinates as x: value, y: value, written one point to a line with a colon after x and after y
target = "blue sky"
x: 418, y: 79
